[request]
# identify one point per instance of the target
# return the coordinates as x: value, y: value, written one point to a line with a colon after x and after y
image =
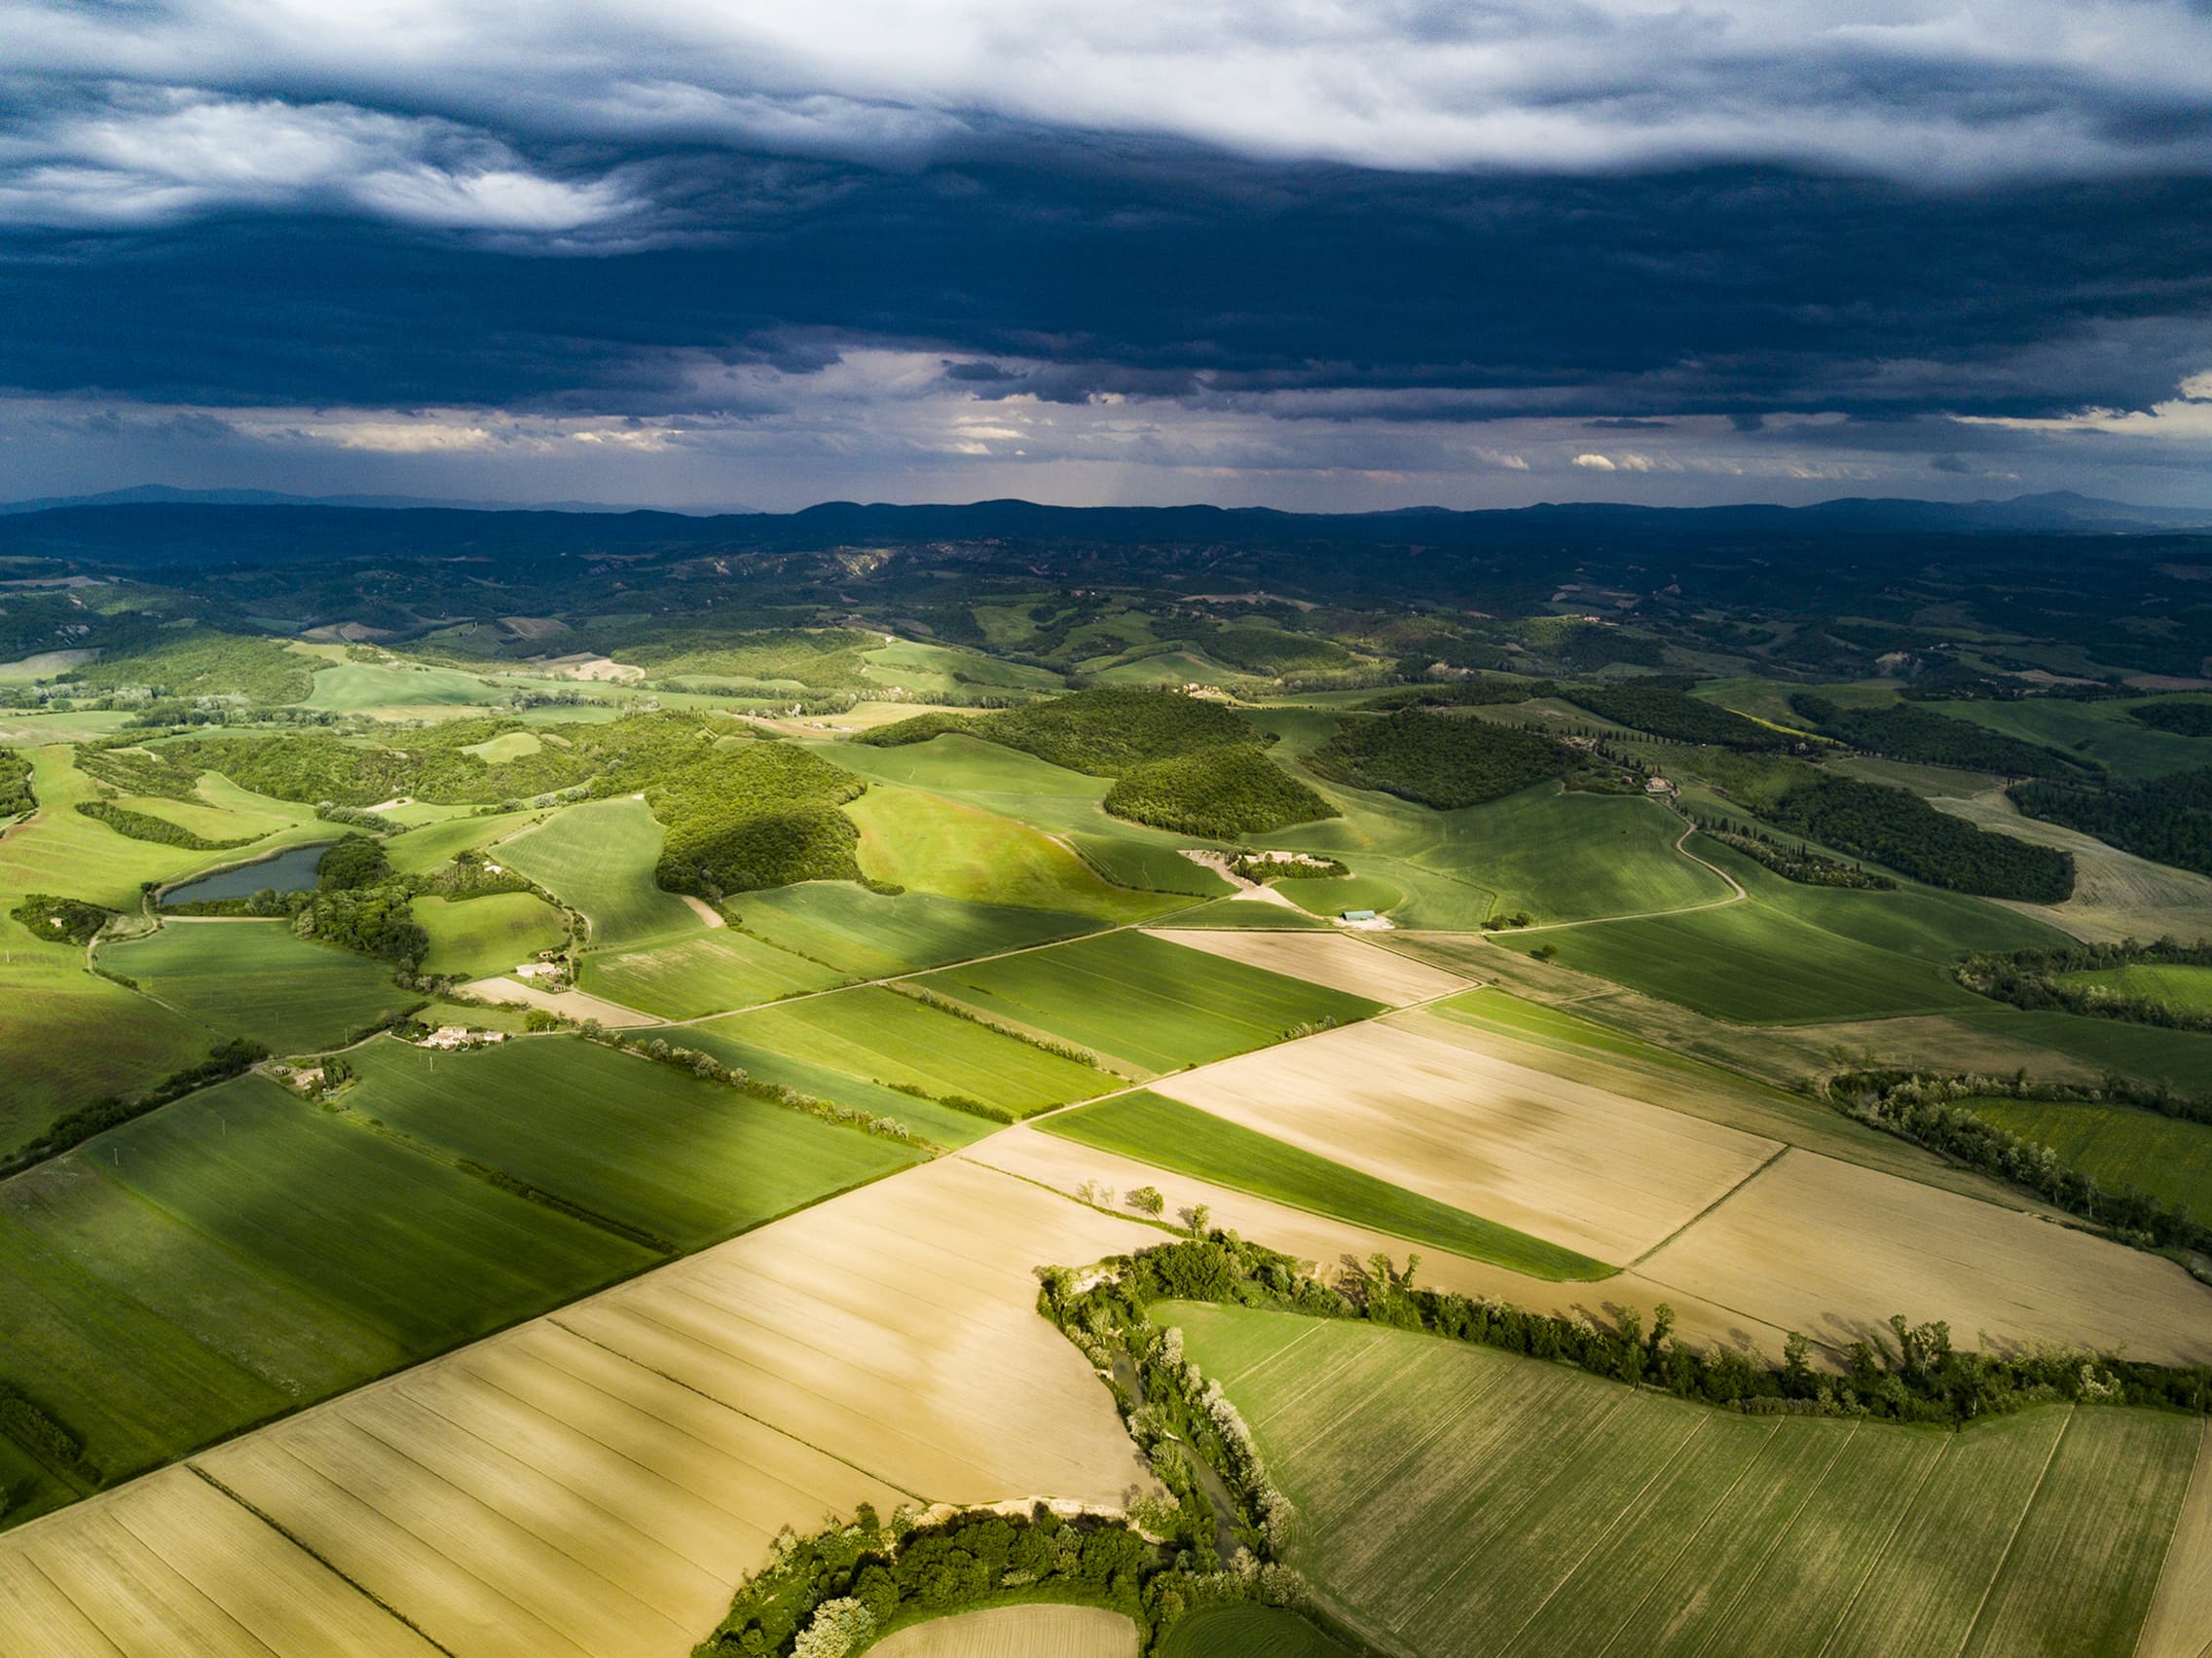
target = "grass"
x: 698, y: 1161
x: 1169, y: 1134
x: 1793, y: 954
x: 377, y: 688
x: 1247, y: 1632
x: 2178, y: 1058
x: 240, y: 1253
x: 879, y: 1034
x: 436, y: 840
x: 1326, y: 894
x: 2096, y: 730
x: 929, y: 842
x: 1154, y: 1005
x: 60, y: 850
x: 254, y: 978
x: 478, y: 937
x: 2121, y: 1146
x: 72, y: 1037
x: 708, y: 972
x: 940, y: 1125
x: 599, y: 858
x: 871, y: 934
x: 2184, y: 988
x: 1456, y: 1499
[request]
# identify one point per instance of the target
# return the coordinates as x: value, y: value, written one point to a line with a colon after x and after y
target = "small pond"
x: 289, y: 872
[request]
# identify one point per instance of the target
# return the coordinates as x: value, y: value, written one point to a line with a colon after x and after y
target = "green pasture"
x: 881, y: 1036
x: 1247, y: 1632
x: 2177, y: 985
x: 254, y: 978
x: 73, y: 1037
x: 436, y: 842
x: 1468, y: 1501
x: 929, y: 842
x: 2120, y: 1145
x: 398, y: 689
x: 1142, y: 1000
x: 1061, y: 803
x: 57, y: 849
x: 707, y: 973
x: 240, y: 1253
x: 871, y: 934
x: 1791, y: 954
x: 940, y: 1125
x: 1236, y: 914
x: 599, y: 858
x: 1169, y: 1134
x: 1325, y: 894
x: 1556, y: 855
x: 2181, y: 1060
x: 922, y: 669
x: 698, y: 1161
x: 476, y: 937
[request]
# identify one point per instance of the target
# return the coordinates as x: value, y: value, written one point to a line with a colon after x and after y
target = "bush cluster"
x: 756, y: 815
x: 1897, y: 828
x: 2031, y: 978
x: 143, y: 825
x: 226, y: 1060
x: 1904, y: 733
x: 17, y: 795
x: 1439, y: 760
x: 1667, y: 711
x: 2166, y: 819
x: 63, y: 920
x: 1926, y: 1111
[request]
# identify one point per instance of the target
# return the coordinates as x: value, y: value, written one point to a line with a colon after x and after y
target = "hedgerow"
x: 143, y: 825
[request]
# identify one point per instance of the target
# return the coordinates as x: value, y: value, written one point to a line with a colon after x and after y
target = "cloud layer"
x: 1607, y: 245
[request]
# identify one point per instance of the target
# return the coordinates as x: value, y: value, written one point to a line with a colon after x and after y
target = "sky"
x: 1302, y: 253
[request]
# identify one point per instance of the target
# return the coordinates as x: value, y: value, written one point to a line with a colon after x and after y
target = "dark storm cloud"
x: 1071, y: 270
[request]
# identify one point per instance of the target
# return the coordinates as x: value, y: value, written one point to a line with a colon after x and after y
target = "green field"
x: 2101, y: 731
x: 1247, y: 1632
x: 2122, y: 1146
x: 2184, y: 988
x: 435, y: 842
x: 2180, y: 1058
x: 1793, y: 954
x: 240, y: 1253
x: 72, y: 1038
x: 1320, y: 894
x: 698, y: 1161
x: 929, y: 842
x: 478, y: 937
x: 880, y: 1035
x: 1454, y: 1499
x: 708, y: 972
x: 254, y: 978
x: 411, y: 689
x: 871, y: 934
x: 940, y: 1125
x: 1154, y: 1005
x: 1558, y: 856
x: 1168, y: 1134
x: 599, y: 859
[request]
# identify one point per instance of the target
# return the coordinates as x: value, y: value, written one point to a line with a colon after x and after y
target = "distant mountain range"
x: 145, y: 528
x: 2057, y: 511
x: 162, y: 495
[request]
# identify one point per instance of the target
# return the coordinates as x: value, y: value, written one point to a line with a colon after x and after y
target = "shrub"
x: 1439, y: 760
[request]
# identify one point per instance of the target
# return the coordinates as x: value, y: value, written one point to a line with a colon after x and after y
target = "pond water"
x: 290, y: 872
